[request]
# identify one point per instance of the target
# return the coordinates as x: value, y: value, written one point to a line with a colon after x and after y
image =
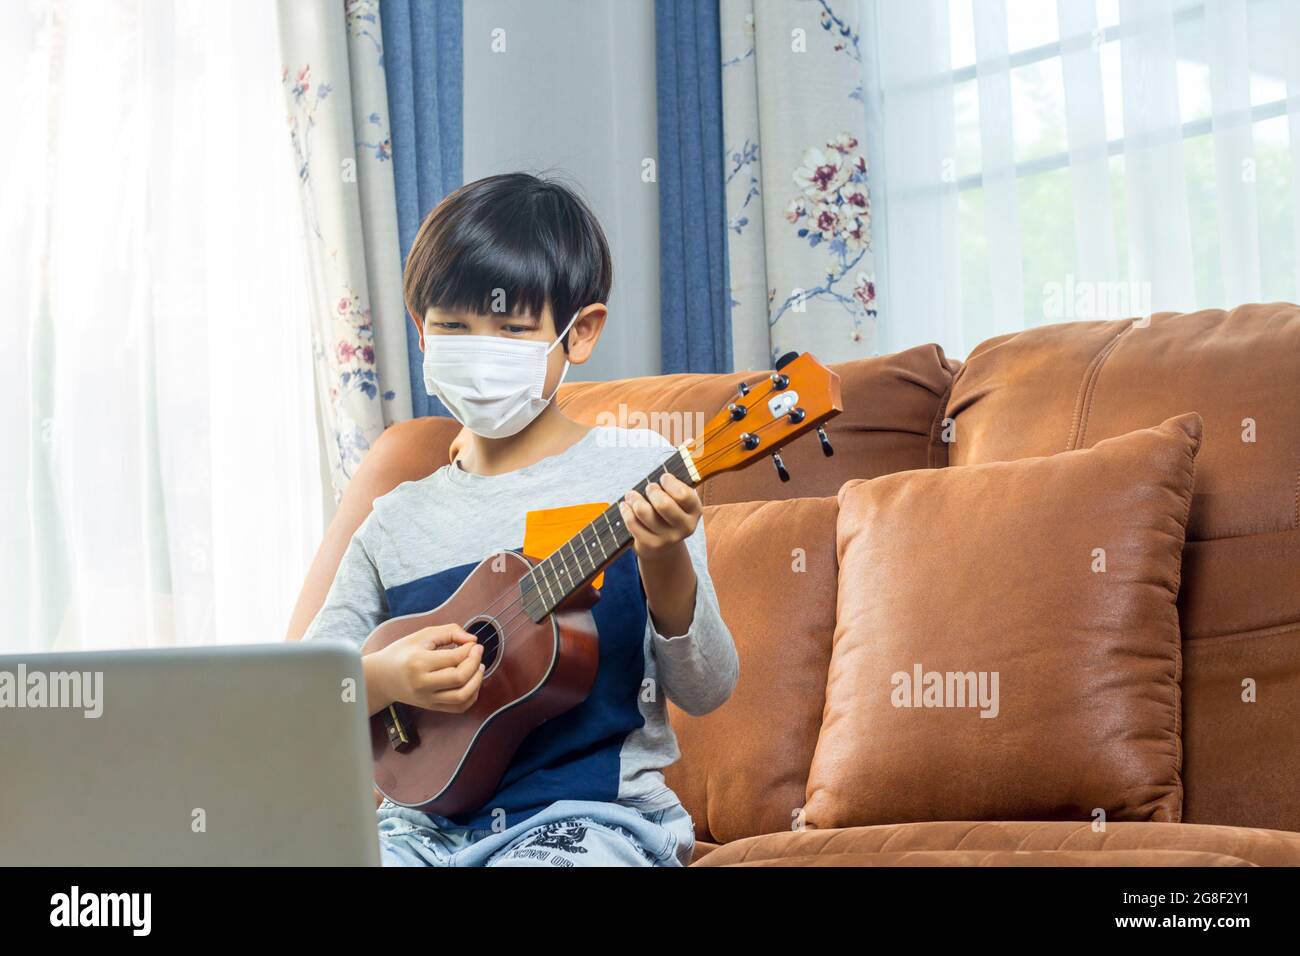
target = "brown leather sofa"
x: 745, y: 768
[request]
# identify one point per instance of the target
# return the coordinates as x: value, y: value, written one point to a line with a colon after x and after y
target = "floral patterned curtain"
x: 798, y: 207
x: 333, y: 78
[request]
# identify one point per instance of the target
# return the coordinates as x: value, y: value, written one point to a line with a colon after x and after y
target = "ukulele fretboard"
x: 578, y: 560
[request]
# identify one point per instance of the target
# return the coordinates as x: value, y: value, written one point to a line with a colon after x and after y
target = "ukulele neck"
x: 577, y: 562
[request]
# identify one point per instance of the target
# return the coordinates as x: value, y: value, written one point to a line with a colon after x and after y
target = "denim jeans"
x: 567, y: 833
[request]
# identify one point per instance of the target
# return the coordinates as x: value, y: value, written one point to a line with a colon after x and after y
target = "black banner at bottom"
x: 377, y: 906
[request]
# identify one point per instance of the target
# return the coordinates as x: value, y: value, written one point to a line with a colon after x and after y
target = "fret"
x: 599, y: 536
x: 577, y: 558
x: 527, y: 597
x: 549, y: 593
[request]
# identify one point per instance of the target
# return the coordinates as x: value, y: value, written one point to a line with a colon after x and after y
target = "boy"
x: 507, y: 281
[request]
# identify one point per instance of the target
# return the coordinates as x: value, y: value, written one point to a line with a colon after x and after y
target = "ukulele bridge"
x: 401, y: 731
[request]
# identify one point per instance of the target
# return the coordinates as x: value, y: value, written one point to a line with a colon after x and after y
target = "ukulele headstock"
x: 767, y: 413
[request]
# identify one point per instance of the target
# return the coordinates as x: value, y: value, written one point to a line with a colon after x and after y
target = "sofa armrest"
x: 407, y: 451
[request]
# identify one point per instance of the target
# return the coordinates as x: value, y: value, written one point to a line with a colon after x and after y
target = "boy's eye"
x: 451, y: 325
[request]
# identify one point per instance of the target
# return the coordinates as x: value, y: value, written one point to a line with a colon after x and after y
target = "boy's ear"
x: 585, y: 332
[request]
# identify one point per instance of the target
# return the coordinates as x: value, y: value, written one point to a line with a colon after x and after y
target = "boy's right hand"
x: 437, y: 668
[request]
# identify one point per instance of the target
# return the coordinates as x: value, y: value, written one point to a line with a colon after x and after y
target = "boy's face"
x: 582, y: 335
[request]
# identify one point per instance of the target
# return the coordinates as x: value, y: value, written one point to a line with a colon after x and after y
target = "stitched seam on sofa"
x: 1231, y: 535
x: 1080, y: 397
x: 1259, y: 632
x: 1029, y: 837
x: 1088, y: 391
x: 1083, y: 828
x: 962, y: 839
x: 1194, y: 458
x: 845, y: 833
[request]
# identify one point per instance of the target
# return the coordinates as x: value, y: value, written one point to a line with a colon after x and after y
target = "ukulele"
x: 533, y: 618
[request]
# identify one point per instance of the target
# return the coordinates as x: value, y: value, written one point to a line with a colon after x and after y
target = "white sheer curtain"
x: 161, y: 474
x: 1036, y: 161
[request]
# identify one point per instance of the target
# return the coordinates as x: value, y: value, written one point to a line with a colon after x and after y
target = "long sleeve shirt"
x: 422, y: 540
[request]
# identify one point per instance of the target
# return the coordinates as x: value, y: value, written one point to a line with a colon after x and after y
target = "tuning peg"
x: 780, y: 466
x: 785, y: 360
x: 779, y: 381
x: 737, y: 412
x: 742, y: 389
x: 827, y: 450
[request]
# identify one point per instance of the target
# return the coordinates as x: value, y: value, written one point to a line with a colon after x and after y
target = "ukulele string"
x: 491, y: 610
x: 568, y: 565
x: 502, y: 629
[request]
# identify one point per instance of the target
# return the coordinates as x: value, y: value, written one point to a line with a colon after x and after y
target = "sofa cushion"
x: 891, y: 421
x: 1065, y: 386
x: 744, y: 767
x: 1058, y: 578
x: 1000, y: 858
x: 1260, y: 847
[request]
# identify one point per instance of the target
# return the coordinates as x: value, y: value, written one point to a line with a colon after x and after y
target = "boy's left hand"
x: 663, y: 517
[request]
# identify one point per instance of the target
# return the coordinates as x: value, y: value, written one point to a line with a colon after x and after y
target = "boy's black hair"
x: 532, y: 238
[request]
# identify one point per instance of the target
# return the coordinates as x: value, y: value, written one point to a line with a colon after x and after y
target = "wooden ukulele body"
x: 540, y: 669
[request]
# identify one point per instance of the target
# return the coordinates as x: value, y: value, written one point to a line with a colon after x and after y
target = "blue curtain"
x: 424, y: 69
x: 695, y: 305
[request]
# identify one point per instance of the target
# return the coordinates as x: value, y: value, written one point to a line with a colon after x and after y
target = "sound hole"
x: 489, y: 635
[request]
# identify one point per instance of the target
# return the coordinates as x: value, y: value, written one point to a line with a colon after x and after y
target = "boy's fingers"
x: 644, y: 523
x: 646, y: 512
x: 449, y: 657
x: 445, y: 636
x: 462, y: 694
x: 629, y: 519
x: 640, y: 508
x: 451, y: 675
x: 682, y: 493
x: 667, y: 507
x: 635, y: 526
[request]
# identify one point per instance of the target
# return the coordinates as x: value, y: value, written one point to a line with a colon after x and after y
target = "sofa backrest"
x: 890, y: 422
x: 1059, y: 387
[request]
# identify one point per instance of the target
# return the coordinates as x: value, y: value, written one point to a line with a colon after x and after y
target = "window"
x: 1108, y: 158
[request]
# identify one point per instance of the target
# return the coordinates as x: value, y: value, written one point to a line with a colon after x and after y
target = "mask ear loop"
x: 551, y: 348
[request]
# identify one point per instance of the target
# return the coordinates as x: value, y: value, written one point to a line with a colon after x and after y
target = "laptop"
x: 247, y: 755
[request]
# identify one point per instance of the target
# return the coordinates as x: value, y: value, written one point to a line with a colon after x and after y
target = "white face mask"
x: 491, y: 384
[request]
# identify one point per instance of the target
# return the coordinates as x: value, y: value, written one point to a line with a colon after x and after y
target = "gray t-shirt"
x: 423, y: 538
